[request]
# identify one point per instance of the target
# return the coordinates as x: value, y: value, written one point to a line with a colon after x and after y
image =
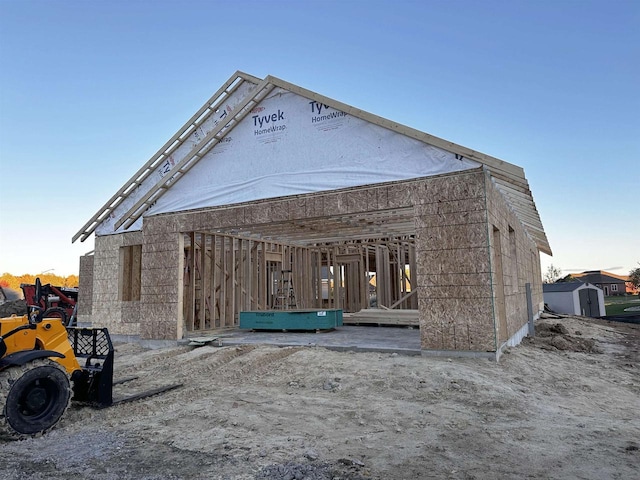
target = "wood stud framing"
x: 226, y: 274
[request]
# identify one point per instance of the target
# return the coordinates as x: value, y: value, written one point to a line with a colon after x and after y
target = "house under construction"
x: 270, y: 185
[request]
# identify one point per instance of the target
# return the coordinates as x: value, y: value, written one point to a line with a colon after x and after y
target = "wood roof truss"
x: 509, y: 178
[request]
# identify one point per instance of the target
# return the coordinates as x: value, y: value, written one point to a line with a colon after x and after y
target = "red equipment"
x: 56, y: 302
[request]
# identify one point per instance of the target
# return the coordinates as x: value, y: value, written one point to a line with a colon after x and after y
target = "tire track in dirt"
x: 228, y: 366
x: 126, y: 365
x: 192, y: 363
x: 189, y: 367
x: 198, y: 369
x: 235, y: 367
x: 194, y: 369
x: 256, y: 367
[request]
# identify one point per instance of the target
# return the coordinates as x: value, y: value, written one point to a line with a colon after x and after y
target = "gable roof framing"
x: 182, y: 167
x: 165, y: 152
x: 509, y: 178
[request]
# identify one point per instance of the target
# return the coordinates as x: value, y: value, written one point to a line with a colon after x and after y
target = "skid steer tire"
x: 56, y: 312
x: 33, y: 398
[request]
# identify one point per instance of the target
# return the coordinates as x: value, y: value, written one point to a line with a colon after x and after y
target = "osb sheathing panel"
x: 107, y: 309
x: 130, y: 312
x: 460, y: 323
x: 258, y: 214
x: 426, y: 220
x: 458, y: 279
x: 372, y: 199
x: 398, y: 197
x: 162, y: 257
x: 518, y: 271
x: 468, y: 206
x: 358, y: 202
x: 218, y: 217
x: 455, y: 296
x: 383, y: 197
x: 153, y: 328
x: 298, y: 208
x: 314, y: 207
x: 85, y: 289
x: 336, y: 204
x: 463, y: 186
x: 453, y: 260
x: 352, y: 201
x: 159, y: 258
x: 458, y: 236
x: 162, y: 224
x: 455, y: 291
x: 160, y: 284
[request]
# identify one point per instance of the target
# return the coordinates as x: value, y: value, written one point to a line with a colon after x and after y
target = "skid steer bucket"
x: 94, y: 351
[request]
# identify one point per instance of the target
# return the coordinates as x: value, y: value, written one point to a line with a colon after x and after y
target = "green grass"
x: 616, y: 305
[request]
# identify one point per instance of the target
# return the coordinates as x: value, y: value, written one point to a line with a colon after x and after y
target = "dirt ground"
x: 563, y: 405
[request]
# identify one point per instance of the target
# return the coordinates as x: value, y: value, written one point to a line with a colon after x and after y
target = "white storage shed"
x: 574, y: 298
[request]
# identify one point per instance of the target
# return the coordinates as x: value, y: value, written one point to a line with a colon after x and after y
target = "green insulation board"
x: 291, y: 319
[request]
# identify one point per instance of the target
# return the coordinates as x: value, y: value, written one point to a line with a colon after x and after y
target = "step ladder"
x: 285, y: 296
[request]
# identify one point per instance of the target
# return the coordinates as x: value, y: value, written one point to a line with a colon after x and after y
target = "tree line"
x: 554, y: 274
x: 13, y: 282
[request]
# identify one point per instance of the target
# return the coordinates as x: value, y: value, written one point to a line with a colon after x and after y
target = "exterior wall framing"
x: 107, y: 310
x: 454, y: 277
x: 85, y: 290
x: 451, y: 248
x: 461, y: 291
x: 520, y: 263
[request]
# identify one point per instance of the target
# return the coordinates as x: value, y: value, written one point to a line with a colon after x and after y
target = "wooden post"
x: 192, y: 283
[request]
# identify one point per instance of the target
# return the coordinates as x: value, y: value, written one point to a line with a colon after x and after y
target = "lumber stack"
x: 380, y: 316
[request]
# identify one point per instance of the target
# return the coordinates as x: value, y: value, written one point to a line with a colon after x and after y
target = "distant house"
x: 610, y: 283
x: 574, y: 298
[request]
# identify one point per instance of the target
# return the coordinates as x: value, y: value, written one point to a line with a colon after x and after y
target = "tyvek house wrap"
x: 106, y: 227
x: 291, y: 145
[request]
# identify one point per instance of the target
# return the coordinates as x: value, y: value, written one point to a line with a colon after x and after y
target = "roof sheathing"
x: 509, y: 178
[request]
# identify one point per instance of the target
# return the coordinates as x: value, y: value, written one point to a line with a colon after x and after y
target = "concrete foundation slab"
x: 405, y: 341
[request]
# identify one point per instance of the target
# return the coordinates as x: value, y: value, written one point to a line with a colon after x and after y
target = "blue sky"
x: 90, y: 90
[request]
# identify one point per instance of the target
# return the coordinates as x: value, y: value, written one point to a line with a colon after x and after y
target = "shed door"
x: 589, y: 302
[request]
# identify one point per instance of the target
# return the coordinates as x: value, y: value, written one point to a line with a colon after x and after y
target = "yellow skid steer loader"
x: 41, y: 369
x: 43, y: 365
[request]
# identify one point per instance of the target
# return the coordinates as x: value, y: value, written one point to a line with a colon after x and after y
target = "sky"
x: 90, y: 90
